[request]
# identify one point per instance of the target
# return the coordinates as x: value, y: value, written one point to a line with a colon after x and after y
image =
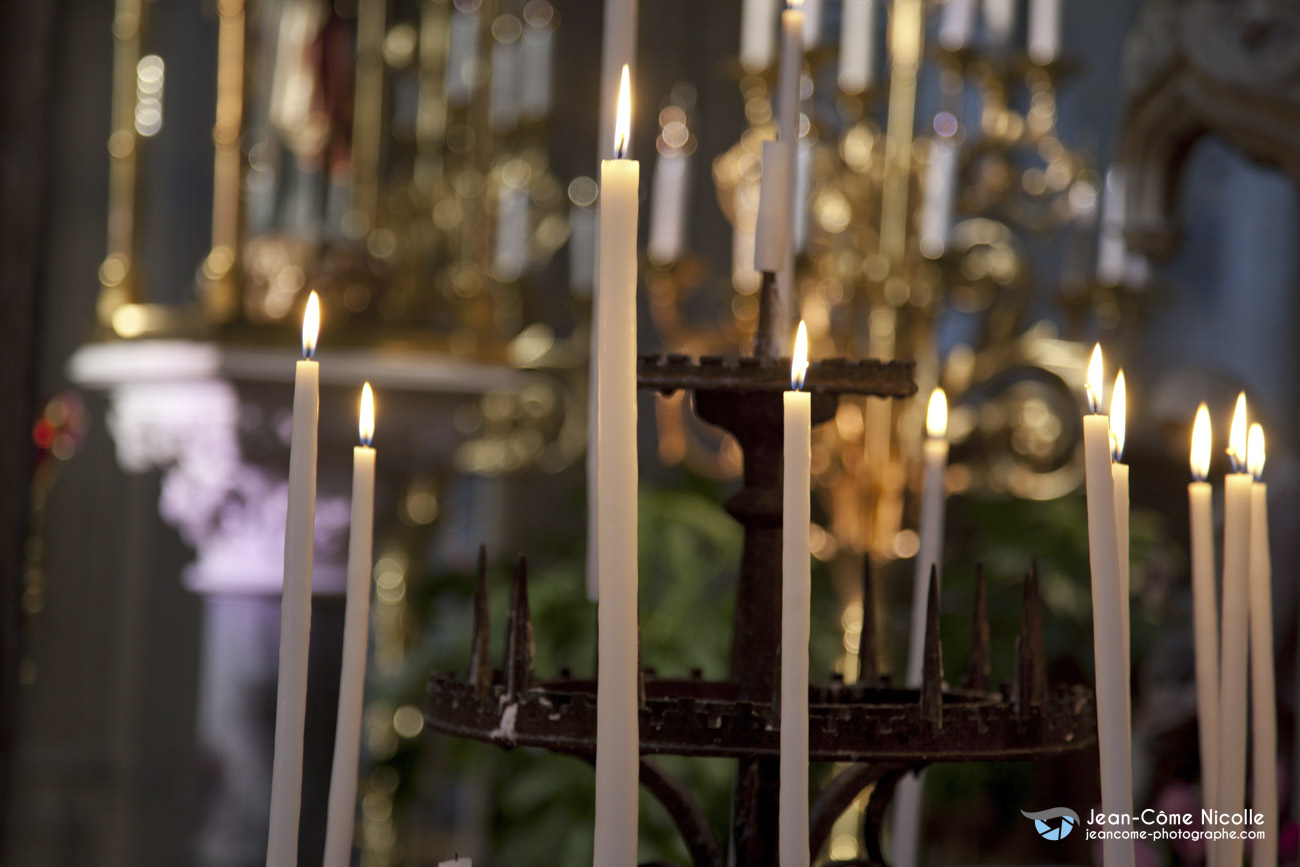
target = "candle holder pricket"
x: 882, y: 731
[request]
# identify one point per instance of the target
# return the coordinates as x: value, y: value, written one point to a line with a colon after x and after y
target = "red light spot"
x: 43, y: 434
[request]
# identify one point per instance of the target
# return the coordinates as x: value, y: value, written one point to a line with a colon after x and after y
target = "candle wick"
x: 1092, y: 398
x: 1234, y: 460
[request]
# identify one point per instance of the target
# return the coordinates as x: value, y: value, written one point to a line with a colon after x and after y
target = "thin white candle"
x: 1044, y: 25
x: 1205, y: 606
x: 341, y: 815
x: 906, y: 822
x: 295, y: 602
x: 669, y: 201
x: 934, y: 497
x: 795, y: 601
x: 812, y: 23
x: 757, y: 34
x: 1119, y: 480
x: 772, y: 234
x: 957, y: 24
x: 1263, y: 702
x: 617, y: 718
x: 999, y: 21
x: 857, y: 46
x: 1236, y: 625
x: 938, y: 196
x: 457, y: 862
x: 792, y: 49
x: 1107, y: 626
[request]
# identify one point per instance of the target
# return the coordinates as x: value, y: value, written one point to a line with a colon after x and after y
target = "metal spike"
x: 1031, y: 659
x: 932, y: 670
x: 868, y: 666
x: 977, y: 672
x: 480, y: 659
x: 519, y: 634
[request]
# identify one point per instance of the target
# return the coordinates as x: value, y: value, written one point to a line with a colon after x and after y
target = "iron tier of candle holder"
x: 882, y: 731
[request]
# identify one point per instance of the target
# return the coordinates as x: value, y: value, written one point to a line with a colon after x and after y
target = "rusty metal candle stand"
x: 881, y: 731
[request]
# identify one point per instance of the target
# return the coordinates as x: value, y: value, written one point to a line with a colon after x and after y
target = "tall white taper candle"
x: 787, y: 108
x: 1119, y: 481
x: 295, y: 602
x: 341, y: 815
x: 795, y: 601
x: 617, y: 716
x: 1107, y: 620
x: 906, y: 821
x: 1205, y: 605
x: 857, y: 46
x: 1236, y: 625
x: 1263, y: 703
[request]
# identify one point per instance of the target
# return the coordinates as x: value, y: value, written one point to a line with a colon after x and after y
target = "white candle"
x: 1107, y: 627
x: 792, y: 23
x: 618, y: 50
x: 857, y: 46
x: 669, y: 199
x: 462, y: 57
x: 757, y: 34
x: 1044, y: 25
x: 1204, y: 606
x: 1111, y: 247
x: 505, y: 80
x: 342, y: 811
x: 536, y: 62
x: 617, y: 733
x: 795, y: 596
x: 456, y: 862
x: 1263, y: 704
x: 934, y: 496
x: 1236, y: 624
x: 938, y: 196
x: 295, y: 602
x: 957, y: 24
x: 999, y: 21
x: 812, y: 23
x: 772, y: 235
x: 1119, y: 481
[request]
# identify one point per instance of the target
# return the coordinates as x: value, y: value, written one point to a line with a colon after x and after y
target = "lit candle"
x: 295, y: 602
x: 1044, y: 25
x: 757, y: 34
x: 1236, y: 624
x: 795, y: 596
x: 356, y: 631
x: 1107, y: 619
x: 1119, y: 480
x: 1204, y: 606
x: 857, y: 46
x: 617, y: 734
x: 1263, y: 705
x: 934, y: 496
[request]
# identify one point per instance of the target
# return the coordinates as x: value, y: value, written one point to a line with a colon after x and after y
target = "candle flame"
x: 795, y: 4
x: 1237, y: 436
x: 367, y: 424
x: 936, y: 417
x: 1255, y: 450
x: 1094, y: 385
x: 1118, y: 417
x: 1202, y: 443
x: 310, y: 326
x: 623, y: 119
x: 799, y: 364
